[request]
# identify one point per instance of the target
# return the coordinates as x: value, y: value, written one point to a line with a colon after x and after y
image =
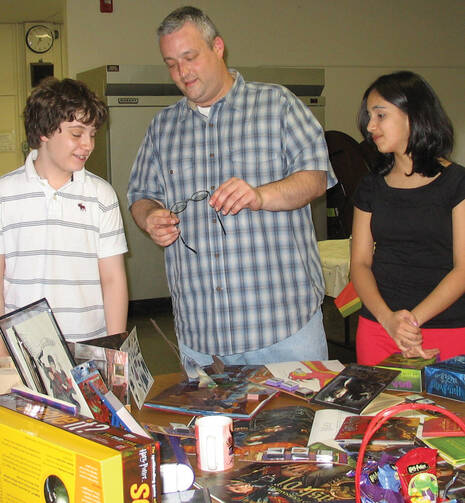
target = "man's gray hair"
x: 176, y: 20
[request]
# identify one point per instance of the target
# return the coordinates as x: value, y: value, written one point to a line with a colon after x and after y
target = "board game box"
x: 46, y: 453
x: 411, y: 377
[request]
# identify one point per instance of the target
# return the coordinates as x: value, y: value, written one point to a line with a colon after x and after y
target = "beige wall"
x: 354, y: 40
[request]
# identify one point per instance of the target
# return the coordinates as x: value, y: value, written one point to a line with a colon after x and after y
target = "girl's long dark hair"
x: 431, y: 132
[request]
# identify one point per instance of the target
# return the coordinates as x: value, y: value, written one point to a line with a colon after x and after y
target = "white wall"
x: 354, y: 40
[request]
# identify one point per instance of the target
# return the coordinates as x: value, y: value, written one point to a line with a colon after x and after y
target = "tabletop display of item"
x: 47, y: 450
x: 40, y: 353
x: 447, y: 378
x: 411, y: 377
x: 355, y: 387
x: 398, y: 430
x: 231, y: 394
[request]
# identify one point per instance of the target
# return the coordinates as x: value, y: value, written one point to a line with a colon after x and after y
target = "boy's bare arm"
x: 3, y: 350
x: 115, y: 293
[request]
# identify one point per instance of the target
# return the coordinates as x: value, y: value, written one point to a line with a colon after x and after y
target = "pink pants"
x: 374, y: 344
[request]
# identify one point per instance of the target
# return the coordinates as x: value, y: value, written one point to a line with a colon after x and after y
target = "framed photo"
x: 40, y: 353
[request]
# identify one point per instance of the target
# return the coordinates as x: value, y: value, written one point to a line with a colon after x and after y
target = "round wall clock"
x: 39, y: 38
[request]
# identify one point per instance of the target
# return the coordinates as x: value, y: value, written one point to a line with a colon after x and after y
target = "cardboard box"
x: 46, y: 453
x: 411, y: 377
x: 447, y: 378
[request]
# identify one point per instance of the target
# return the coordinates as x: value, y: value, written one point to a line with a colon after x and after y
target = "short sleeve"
x: 112, y: 240
x: 459, y: 184
x: 363, y: 195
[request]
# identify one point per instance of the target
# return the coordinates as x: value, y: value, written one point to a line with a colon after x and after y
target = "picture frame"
x: 40, y: 353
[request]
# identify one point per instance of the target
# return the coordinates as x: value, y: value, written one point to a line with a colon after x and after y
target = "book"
x: 381, y: 402
x: 176, y: 470
x: 90, y: 382
x: 22, y: 390
x: 44, y: 448
x: 283, y: 483
x: 451, y: 449
x: 285, y: 427
x: 396, y: 430
x: 300, y: 379
x: 411, y: 377
x: 233, y: 395
x: 442, y: 427
x: 354, y: 387
x: 326, y: 424
x: 447, y: 378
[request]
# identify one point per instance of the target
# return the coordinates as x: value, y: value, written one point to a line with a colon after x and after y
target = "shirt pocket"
x: 257, y: 167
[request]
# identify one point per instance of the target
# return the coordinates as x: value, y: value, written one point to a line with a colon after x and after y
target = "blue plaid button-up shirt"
x: 262, y: 281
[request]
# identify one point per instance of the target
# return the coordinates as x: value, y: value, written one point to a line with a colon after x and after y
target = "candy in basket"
x: 414, y: 478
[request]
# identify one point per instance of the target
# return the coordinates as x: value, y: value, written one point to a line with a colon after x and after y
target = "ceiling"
x: 19, y: 11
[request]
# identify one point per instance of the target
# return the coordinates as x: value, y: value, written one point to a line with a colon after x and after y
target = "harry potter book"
x: 231, y: 394
x: 355, y: 387
x: 283, y: 483
x: 397, y: 430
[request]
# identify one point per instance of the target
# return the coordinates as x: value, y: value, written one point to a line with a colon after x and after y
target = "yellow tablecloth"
x: 335, y: 262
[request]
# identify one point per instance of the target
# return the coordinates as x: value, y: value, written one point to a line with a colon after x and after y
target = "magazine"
x: 233, y: 395
x: 301, y: 379
x: 283, y: 483
x: 355, y: 387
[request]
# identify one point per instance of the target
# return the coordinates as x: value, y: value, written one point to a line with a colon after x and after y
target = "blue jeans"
x: 309, y: 343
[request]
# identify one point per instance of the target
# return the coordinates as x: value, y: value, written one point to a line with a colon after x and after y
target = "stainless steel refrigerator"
x: 134, y: 95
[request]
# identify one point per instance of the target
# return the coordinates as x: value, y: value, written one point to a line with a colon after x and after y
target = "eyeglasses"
x: 180, y: 206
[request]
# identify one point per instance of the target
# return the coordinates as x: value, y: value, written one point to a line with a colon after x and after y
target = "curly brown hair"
x: 55, y: 101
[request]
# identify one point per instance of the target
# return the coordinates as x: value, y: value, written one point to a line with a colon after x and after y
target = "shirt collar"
x: 231, y: 98
x: 31, y: 173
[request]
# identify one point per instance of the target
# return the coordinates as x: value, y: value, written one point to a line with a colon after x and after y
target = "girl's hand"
x: 403, y: 327
x: 418, y: 351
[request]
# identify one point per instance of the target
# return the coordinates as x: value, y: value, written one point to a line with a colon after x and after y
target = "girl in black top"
x: 412, y: 283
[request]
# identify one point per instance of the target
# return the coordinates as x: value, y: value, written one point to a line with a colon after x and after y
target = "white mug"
x: 214, y: 443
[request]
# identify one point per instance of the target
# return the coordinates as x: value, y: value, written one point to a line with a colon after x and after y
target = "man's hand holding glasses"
x: 160, y: 224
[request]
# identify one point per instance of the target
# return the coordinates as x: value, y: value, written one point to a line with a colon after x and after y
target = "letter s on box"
x: 138, y: 492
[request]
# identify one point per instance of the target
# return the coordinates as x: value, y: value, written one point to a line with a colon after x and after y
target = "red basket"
x: 380, y: 419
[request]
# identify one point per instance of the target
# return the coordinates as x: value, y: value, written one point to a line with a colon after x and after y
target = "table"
x: 335, y: 263
x: 164, y: 418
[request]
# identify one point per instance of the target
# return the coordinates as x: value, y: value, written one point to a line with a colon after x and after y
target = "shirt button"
x: 213, y: 220
x: 211, y: 125
x: 212, y: 187
x: 217, y: 255
x: 212, y: 155
x: 171, y: 171
x: 219, y: 289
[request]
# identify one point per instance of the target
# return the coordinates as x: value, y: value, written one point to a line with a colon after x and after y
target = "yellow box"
x: 47, y: 455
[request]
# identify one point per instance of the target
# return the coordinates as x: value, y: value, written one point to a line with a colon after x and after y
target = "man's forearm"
x: 140, y: 210
x: 295, y: 191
